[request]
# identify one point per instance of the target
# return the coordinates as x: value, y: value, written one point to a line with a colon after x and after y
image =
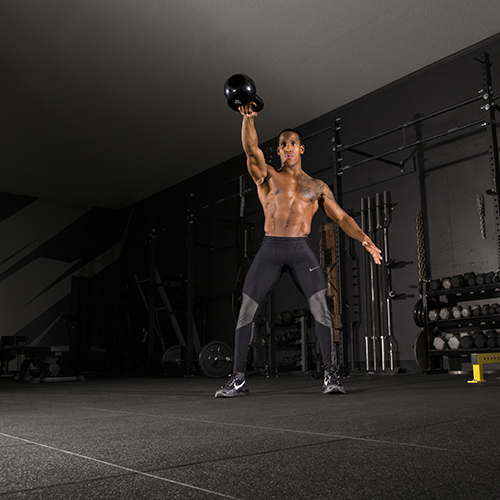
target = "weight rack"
x: 488, y: 122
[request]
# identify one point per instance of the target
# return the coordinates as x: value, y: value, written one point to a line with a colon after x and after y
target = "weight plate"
x: 420, y: 351
x: 417, y: 313
x: 422, y: 313
x: 171, y: 361
x: 216, y: 359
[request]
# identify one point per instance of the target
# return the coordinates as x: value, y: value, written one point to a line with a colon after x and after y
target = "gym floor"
x: 404, y: 436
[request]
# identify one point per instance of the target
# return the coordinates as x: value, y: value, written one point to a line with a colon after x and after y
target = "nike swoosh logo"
x: 313, y: 268
x: 239, y: 386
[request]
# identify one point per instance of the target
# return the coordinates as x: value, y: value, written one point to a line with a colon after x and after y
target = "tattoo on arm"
x: 328, y: 194
x: 313, y: 189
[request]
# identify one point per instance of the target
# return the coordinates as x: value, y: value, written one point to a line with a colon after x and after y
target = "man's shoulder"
x: 311, y: 188
x: 320, y: 188
x: 303, y: 177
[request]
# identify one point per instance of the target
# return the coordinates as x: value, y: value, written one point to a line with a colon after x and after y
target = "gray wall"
x: 48, y: 250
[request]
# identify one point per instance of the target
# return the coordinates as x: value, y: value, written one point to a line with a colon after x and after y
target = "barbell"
x: 215, y: 360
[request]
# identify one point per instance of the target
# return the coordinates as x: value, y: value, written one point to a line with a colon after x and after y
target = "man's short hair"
x: 291, y: 130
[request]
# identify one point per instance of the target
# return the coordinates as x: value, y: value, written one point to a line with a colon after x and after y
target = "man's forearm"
x: 249, y: 137
x: 349, y: 226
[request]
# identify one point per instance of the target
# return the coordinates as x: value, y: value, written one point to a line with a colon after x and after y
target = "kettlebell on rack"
x: 239, y: 90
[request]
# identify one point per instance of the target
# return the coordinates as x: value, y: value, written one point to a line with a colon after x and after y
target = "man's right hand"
x: 247, y: 110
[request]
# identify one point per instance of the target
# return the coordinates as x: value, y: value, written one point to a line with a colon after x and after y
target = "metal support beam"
x: 414, y: 144
x: 342, y: 354
x: 151, y: 302
x: 190, y: 294
x: 405, y: 126
x: 490, y: 122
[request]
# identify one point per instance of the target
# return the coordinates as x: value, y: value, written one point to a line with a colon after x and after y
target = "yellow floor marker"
x: 478, y: 360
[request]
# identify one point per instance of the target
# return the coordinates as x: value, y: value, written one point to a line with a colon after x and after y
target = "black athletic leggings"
x: 275, y: 256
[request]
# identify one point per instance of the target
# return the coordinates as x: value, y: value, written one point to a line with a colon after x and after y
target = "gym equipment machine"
x: 41, y: 364
x: 214, y: 359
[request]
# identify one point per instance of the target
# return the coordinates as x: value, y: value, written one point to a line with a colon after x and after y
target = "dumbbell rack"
x: 286, y: 332
x: 449, y: 298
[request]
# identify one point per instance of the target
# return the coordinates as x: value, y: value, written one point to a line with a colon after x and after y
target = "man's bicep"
x: 331, y: 208
x: 257, y: 166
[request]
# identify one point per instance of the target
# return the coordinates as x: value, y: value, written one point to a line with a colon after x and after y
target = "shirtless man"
x: 289, y: 198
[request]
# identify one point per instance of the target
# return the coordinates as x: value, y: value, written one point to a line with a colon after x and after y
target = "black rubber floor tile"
x: 351, y: 470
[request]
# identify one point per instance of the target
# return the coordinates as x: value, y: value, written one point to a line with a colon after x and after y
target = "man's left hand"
x: 374, y: 250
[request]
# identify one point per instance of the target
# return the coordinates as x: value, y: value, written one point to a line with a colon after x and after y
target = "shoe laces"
x: 331, y: 378
x: 230, y: 383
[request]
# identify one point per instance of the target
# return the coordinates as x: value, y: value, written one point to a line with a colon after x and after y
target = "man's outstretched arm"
x: 256, y: 162
x: 333, y: 210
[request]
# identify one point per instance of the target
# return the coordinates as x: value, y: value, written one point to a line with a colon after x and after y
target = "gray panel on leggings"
x: 247, y: 312
x: 319, y: 308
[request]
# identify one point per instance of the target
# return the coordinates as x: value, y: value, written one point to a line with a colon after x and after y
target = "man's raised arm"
x: 256, y: 162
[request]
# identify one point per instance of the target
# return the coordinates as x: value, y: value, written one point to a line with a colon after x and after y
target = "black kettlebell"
x: 239, y: 90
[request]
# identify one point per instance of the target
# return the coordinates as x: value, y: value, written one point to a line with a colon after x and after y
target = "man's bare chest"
x: 300, y: 189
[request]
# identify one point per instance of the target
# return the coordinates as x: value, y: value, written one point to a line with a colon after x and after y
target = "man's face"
x: 290, y: 149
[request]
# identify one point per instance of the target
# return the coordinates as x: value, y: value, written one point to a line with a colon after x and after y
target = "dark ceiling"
x: 106, y: 102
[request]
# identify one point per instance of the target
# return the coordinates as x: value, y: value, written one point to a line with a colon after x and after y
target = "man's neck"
x: 294, y: 170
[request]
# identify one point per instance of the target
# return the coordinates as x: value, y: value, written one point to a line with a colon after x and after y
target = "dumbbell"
x: 302, y: 312
x: 433, y: 315
x: 465, y: 340
x: 470, y: 279
x: 491, y: 338
x: 439, y: 343
x: 435, y: 285
x: 445, y: 313
x: 454, y: 342
x: 479, y: 339
x: 446, y: 283
x: 488, y: 277
x: 476, y: 310
x: 485, y: 278
x: 466, y: 311
x: 481, y: 279
x: 457, y: 281
x: 456, y: 312
x: 485, y: 310
x: 494, y: 308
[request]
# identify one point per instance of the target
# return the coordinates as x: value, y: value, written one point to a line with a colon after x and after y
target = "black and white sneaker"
x: 235, y: 386
x: 331, y: 384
